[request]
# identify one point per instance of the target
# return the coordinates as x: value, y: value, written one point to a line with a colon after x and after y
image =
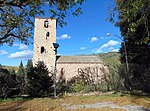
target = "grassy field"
x: 49, y: 104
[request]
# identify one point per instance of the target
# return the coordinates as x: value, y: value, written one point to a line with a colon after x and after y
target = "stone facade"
x: 91, y: 66
x: 44, y: 37
x: 69, y: 66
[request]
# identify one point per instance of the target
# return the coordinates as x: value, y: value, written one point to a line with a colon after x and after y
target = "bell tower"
x: 44, y: 37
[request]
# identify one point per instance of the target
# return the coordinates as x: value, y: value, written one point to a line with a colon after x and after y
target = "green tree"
x: 39, y: 81
x: 134, y: 23
x: 16, y: 16
x: 21, y: 77
x: 9, y: 86
x: 29, y: 65
x: 21, y: 70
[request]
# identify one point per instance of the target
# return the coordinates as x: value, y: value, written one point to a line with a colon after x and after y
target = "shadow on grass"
x: 13, y: 104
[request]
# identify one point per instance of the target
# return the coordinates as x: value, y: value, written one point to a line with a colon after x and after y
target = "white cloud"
x: 101, y: 37
x: 108, y: 45
x: 115, y: 50
x: 82, y: 48
x: 21, y: 46
x: 3, y: 52
x: 112, y: 49
x: 25, y: 54
x: 93, y: 39
x: 99, y: 50
x: 64, y: 36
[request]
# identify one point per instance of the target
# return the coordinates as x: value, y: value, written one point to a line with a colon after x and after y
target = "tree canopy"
x: 16, y: 16
x: 134, y: 24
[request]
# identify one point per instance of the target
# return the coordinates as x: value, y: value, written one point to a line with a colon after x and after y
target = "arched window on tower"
x: 47, y: 35
x: 42, y: 49
x: 46, y: 23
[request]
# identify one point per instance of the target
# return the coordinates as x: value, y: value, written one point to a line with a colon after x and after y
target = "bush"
x: 77, y: 87
x: 89, y: 88
x: 62, y: 87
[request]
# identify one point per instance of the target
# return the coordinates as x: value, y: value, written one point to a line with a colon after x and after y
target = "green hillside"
x: 11, y: 68
x: 112, y: 59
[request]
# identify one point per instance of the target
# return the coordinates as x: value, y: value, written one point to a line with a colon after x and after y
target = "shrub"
x: 77, y: 87
x: 89, y: 88
x: 61, y: 85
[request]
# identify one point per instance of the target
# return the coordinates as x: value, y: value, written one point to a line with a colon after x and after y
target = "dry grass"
x: 48, y: 104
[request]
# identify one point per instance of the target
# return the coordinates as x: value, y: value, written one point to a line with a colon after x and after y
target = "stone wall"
x: 42, y: 40
x: 97, y: 72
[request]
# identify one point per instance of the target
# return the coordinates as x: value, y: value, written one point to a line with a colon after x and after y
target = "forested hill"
x: 111, y: 58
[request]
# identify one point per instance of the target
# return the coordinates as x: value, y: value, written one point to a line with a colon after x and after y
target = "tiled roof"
x: 80, y: 59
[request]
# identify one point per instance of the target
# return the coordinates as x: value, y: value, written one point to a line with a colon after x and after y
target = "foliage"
x: 21, y: 77
x: 62, y: 84
x: 9, y: 84
x: 88, y: 79
x: 29, y: 65
x: 112, y: 59
x: 27, y: 69
x: 89, y: 88
x: 21, y: 71
x: 11, y: 99
x: 137, y: 80
x: 16, y: 16
x: 134, y: 23
x: 77, y: 87
x: 75, y: 84
x: 135, y: 15
x: 39, y: 81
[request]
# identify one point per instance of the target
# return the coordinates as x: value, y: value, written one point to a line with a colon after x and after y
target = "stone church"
x: 69, y: 66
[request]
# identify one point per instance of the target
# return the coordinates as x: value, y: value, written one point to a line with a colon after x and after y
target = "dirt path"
x: 107, y: 104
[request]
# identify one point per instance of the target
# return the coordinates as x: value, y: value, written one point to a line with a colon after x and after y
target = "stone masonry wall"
x: 70, y: 70
x: 42, y: 40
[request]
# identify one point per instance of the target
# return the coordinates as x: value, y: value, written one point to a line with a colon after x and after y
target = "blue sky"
x: 85, y: 34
